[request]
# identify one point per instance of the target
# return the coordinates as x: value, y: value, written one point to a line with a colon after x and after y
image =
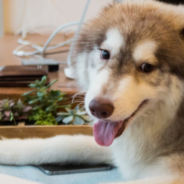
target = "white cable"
x: 56, y: 46
x: 19, y: 52
x: 39, y: 49
x: 55, y: 32
x: 20, y: 17
x: 69, y: 71
x: 69, y: 63
x: 38, y: 28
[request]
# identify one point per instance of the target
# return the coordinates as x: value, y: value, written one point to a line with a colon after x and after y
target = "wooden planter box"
x: 24, y: 131
x: 43, y: 131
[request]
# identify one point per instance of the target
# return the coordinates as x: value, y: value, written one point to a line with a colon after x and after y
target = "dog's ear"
x: 175, y: 15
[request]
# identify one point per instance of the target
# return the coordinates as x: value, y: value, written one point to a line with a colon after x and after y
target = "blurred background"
x: 43, y: 16
x: 26, y: 27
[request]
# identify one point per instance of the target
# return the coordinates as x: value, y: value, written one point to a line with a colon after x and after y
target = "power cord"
x: 41, y: 50
x: 69, y: 71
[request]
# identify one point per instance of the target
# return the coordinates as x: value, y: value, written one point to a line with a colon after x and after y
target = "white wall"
x: 31, y: 15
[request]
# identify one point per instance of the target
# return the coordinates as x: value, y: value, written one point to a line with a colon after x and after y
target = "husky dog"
x: 130, y: 62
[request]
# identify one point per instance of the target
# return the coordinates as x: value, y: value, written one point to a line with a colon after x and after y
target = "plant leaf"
x: 67, y: 119
x: 63, y: 113
x: 37, y: 107
x: 59, y: 99
x: 71, y: 112
x: 37, y: 82
x: 11, y: 104
x: 59, y: 118
x: 52, y: 83
x: 7, y: 113
x: 43, y: 81
x: 11, y: 116
x: 82, y: 109
x: 29, y: 92
x: 33, y: 101
x: 64, y: 106
x: 50, y: 108
x: 62, y: 94
x: 86, y: 118
x: 19, y: 103
x: 81, y: 113
x: 78, y: 121
x: 27, y: 108
x: 32, y: 85
x: 28, y: 98
x: 40, y: 93
x: 77, y: 108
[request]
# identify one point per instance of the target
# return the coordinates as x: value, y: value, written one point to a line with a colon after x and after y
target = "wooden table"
x: 9, y: 42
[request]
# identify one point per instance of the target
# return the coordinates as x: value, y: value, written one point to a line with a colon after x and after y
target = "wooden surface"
x: 43, y: 131
x: 9, y: 42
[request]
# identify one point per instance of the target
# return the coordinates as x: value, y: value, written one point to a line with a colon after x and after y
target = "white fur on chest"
x: 134, y: 150
x: 128, y: 154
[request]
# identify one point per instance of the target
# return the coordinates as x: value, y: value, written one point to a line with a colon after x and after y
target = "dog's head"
x: 128, y: 60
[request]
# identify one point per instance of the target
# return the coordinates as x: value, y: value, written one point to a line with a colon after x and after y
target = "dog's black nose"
x: 101, y: 109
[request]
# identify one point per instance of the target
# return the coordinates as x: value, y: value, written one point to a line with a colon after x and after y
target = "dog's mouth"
x: 106, y: 131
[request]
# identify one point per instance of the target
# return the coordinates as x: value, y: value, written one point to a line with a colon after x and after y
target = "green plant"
x: 41, y: 98
x: 9, y: 110
x: 76, y: 116
x: 6, y: 113
x: 43, y: 118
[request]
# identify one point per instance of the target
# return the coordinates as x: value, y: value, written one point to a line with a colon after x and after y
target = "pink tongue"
x: 105, y: 132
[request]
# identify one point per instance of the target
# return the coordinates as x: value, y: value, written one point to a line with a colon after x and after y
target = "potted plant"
x: 42, y: 106
x: 44, y: 102
x: 74, y: 116
x: 12, y: 113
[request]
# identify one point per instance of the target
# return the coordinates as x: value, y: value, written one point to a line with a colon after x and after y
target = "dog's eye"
x: 105, y: 54
x: 145, y: 67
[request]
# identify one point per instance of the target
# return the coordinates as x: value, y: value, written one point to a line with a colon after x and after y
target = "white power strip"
x: 39, y: 62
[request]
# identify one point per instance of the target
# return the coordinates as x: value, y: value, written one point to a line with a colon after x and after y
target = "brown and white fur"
x: 151, y: 148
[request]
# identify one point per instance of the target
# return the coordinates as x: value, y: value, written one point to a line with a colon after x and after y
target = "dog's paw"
x: 4, y: 153
x: 8, y: 151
